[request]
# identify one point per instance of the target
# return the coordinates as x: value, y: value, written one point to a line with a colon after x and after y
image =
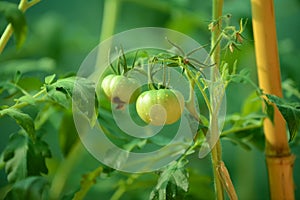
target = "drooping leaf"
x: 180, y: 177
x: 33, y: 188
x: 290, y: 112
x: 172, y: 184
x: 23, y: 119
x: 24, y: 158
x: 17, y: 19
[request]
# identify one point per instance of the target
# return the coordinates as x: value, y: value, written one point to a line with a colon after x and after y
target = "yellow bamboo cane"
x: 278, y: 156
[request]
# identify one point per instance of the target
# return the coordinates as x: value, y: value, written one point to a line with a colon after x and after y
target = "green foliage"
x: 172, y: 183
x: 290, y: 112
x: 24, y: 120
x: 88, y: 180
x: 17, y: 19
x: 24, y: 157
x: 41, y: 107
x: 34, y: 188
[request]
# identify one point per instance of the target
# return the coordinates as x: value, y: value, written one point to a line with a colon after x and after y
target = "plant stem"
x: 236, y: 130
x: 278, y: 155
x: 64, y: 170
x: 23, y: 6
x: 109, y: 18
x: 216, y: 153
x: 87, y: 181
x: 221, y: 174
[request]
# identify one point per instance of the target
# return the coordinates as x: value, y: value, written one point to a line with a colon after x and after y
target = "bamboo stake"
x: 278, y: 156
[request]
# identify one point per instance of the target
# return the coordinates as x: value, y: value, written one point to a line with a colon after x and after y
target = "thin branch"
x: 23, y: 6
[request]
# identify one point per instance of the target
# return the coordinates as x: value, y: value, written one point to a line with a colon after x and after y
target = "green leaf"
x: 24, y: 120
x: 33, y: 188
x: 24, y: 158
x: 172, y: 184
x: 17, y: 19
x: 252, y: 104
x: 241, y: 77
x: 269, y: 109
x: 62, y: 90
x: 290, y: 112
x: 180, y: 177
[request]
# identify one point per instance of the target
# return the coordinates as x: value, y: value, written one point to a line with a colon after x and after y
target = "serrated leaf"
x: 24, y: 158
x: 172, y: 184
x: 290, y: 112
x: 33, y: 188
x: 17, y: 19
x: 180, y: 177
x: 23, y: 119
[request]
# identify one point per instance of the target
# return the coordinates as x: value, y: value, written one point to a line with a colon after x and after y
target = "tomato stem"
x: 150, y: 80
x: 216, y: 153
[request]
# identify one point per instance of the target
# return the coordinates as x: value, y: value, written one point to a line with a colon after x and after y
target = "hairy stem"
x: 216, y: 153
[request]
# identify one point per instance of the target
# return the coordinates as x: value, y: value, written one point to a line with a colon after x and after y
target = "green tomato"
x: 159, y: 107
x: 120, y: 89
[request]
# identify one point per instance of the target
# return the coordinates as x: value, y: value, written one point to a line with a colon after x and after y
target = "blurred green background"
x: 62, y: 33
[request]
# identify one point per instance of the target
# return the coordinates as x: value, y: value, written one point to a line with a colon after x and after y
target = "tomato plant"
x: 44, y: 157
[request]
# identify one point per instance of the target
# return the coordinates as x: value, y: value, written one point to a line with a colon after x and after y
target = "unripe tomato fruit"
x: 159, y: 107
x: 120, y: 89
